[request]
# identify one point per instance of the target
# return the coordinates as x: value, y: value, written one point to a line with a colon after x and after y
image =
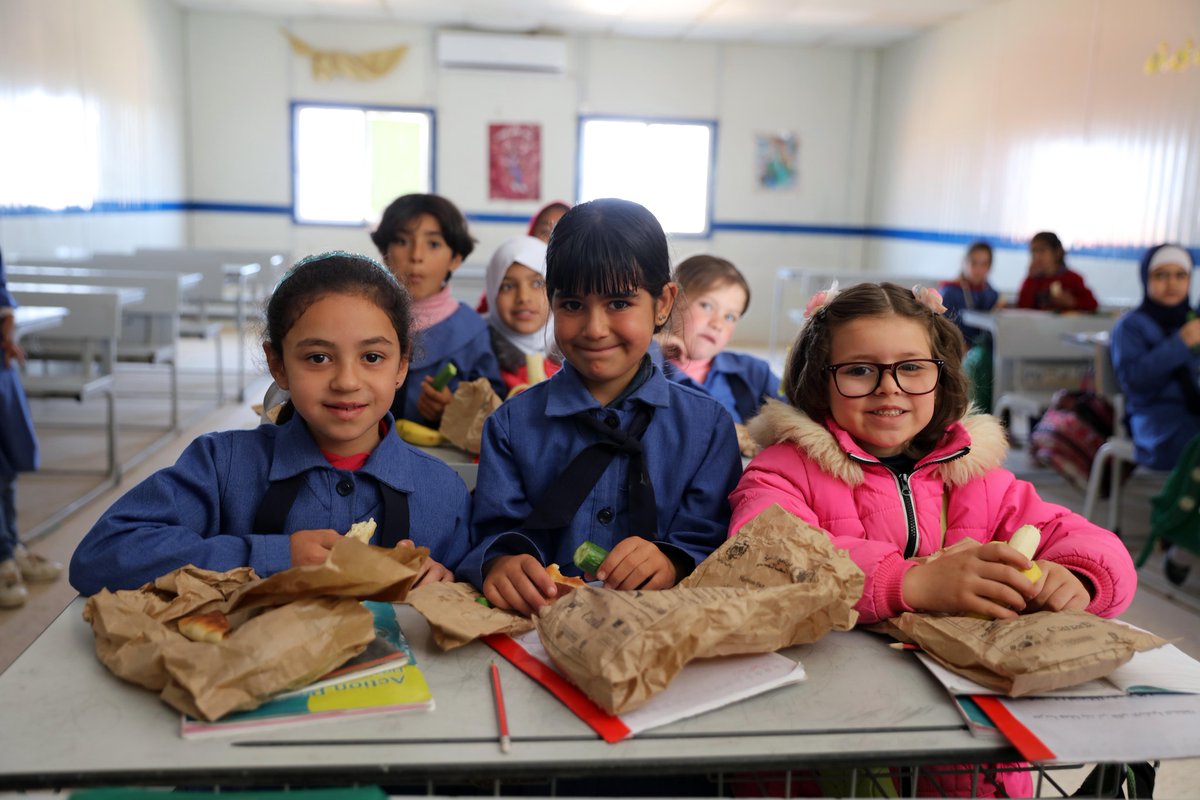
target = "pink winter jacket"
x: 819, y: 473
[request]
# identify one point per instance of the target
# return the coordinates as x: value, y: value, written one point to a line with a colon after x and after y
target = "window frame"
x: 710, y: 194
x: 294, y: 108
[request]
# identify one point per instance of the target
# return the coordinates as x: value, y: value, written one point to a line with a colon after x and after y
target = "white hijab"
x: 528, y: 252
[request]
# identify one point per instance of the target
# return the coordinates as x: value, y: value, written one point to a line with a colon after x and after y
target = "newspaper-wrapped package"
x: 778, y: 583
x: 462, y: 421
x: 456, y: 616
x: 286, y: 630
x: 1033, y: 653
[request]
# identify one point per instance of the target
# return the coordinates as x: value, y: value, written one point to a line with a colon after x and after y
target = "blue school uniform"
x: 463, y: 338
x: 690, y: 454
x: 738, y: 381
x: 1146, y: 359
x: 201, y: 510
x: 18, y: 444
x: 959, y: 296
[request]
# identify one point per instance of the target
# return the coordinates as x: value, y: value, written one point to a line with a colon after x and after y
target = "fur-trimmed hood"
x: 831, y: 447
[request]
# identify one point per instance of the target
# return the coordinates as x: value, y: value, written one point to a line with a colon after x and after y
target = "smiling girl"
x: 518, y: 309
x: 608, y: 450
x: 338, y: 339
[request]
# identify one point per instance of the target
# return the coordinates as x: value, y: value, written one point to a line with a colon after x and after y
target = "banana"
x: 1025, y: 541
x: 420, y: 435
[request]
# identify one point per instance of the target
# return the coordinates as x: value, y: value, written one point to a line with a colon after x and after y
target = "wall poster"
x: 777, y: 160
x: 514, y: 161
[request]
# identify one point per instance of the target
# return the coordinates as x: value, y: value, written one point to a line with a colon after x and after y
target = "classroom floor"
x: 71, y: 438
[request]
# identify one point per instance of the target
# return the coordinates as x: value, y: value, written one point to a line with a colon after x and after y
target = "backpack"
x: 1068, y: 435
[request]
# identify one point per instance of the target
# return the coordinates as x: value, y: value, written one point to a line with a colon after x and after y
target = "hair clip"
x: 929, y: 297
x: 821, y: 299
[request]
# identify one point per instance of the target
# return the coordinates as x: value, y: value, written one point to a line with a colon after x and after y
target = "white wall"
x: 242, y: 76
x: 1031, y: 115
x: 118, y: 62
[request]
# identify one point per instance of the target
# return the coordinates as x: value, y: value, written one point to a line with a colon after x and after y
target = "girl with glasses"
x: 877, y: 449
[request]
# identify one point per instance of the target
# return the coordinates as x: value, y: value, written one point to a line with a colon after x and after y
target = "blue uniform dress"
x: 1145, y: 358
x: 201, y: 510
x: 690, y: 453
x: 738, y: 381
x: 18, y: 444
x: 958, y: 296
x: 463, y: 338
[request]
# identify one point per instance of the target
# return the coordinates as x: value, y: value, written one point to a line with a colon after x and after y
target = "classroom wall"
x: 1030, y: 115
x: 112, y: 73
x: 242, y: 75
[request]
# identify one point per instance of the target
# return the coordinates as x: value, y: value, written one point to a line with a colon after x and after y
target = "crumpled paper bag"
x: 456, y: 618
x: 1033, y: 653
x: 778, y: 583
x: 288, y: 629
x: 462, y: 421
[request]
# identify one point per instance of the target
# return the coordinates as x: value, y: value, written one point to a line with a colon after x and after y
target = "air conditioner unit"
x: 459, y: 50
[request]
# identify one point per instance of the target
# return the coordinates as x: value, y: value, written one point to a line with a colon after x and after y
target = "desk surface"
x: 863, y: 703
x: 30, y: 319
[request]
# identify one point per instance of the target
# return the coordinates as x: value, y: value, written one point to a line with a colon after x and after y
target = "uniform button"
x: 605, y: 515
x: 345, y: 487
x: 612, y: 421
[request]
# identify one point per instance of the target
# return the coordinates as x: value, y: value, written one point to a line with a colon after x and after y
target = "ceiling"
x: 851, y: 23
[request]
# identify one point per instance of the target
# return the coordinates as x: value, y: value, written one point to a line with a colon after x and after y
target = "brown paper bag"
x: 462, y: 421
x: 1033, y: 653
x: 456, y: 618
x: 778, y: 583
x: 288, y: 629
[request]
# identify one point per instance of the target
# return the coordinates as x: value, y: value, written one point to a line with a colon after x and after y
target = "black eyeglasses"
x: 861, y: 378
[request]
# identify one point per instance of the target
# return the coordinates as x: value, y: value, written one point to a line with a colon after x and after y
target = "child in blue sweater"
x: 608, y: 450
x: 423, y: 239
x: 338, y: 341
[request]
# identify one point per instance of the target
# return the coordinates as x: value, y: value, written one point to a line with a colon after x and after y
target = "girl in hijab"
x: 518, y: 311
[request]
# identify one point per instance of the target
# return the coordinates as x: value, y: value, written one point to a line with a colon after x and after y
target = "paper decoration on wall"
x: 1165, y: 60
x: 329, y: 64
x: 777, y: 159
x: 514, y: 162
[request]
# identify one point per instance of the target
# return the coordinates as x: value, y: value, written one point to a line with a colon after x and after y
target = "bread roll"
x: 210, y: 627
x: 363, y: 531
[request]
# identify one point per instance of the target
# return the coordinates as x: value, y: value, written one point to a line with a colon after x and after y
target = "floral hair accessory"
x: 821, y: 299
x: 929, y: 297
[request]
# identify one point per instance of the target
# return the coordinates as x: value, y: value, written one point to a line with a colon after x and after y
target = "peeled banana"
x: 1025, y: 541
x: 420, y: 435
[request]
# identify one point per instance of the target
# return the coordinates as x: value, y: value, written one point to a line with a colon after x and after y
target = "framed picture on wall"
x: 514, y: 161
x: 777, y: 160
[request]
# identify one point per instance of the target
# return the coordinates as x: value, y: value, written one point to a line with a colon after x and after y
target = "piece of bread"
x: 210, y: 627
x: 363, y: 531
x: 565, y: 583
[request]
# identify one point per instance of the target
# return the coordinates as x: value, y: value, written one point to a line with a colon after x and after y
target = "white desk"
x: 31, y: 319
x: 863, y: 704
x: 1029, y: 354
x: 459, y: 460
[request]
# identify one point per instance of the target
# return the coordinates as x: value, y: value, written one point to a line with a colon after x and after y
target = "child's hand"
x: 431, y: 571
x: 312, y: 547
x: 431, y: 403
x: 518, y: 583
x: 1060, y: 589
x: 636, y: 563
x: 970, y: 578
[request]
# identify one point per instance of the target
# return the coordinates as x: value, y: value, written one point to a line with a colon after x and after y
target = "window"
x: 350, y: 162
x: 664, y: 165
x: 48, y: 151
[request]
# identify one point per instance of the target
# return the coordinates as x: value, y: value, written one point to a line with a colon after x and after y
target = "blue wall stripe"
x: 788, y: 229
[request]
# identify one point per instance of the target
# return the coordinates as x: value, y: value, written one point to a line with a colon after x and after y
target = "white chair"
x: 1117, y: 450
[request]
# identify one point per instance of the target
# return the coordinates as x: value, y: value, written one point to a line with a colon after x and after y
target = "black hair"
x: 408, y: 207
x: 1051, y: 240
x: 983, y: 246
x: 321, y: 275
x: 607, y: 247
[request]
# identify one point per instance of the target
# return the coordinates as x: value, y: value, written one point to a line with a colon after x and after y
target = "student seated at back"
x: 970, y: 291
x: 608, y: 450
x: 338, y: 339
x: 877, y: 449
x: 715, y: 295
x: 518, y: 310
x: 423, y: 239
x: 1050, y: 284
